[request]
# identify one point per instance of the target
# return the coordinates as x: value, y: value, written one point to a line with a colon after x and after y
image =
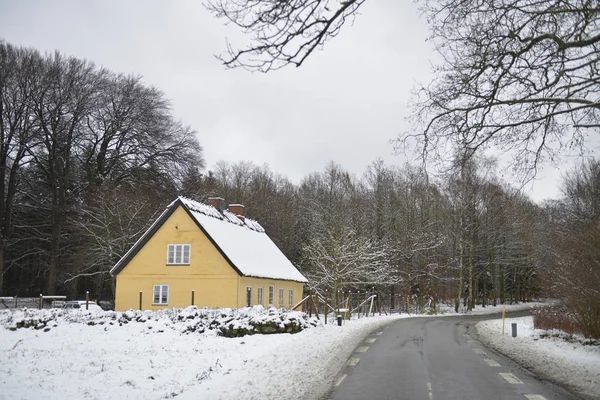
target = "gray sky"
x: 344, y: 105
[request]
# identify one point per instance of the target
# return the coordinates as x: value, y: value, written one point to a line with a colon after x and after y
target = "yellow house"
x: 208, y: 256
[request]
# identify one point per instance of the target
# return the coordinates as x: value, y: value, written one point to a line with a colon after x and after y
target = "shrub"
x: 557, y: 317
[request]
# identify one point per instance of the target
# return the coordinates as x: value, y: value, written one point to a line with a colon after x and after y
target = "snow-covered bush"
x: 228, y: 322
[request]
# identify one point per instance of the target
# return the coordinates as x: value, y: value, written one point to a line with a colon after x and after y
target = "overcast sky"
x: 344, y: 105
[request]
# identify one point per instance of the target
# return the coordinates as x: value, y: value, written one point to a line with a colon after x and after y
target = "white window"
x: 271, y: 295
x: 248, y: 296
x: 178, y: 254
x: 281, y: 295
x: 291, y: 297
x: 260, y: 290
x: 161, y: 295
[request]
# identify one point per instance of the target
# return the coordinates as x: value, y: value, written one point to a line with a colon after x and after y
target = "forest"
x: 89, y: 158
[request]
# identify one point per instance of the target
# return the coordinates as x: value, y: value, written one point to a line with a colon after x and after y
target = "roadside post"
x: 339, y: 318
x: 140, y: 300
x: 514, y: 329
x: 503, y: 318
x: 41, y: 301
x: 193, y: 292
x: 87, y: 299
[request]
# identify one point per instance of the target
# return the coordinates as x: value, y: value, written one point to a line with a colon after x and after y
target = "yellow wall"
x: 214, y: 282
x: 255, y: 283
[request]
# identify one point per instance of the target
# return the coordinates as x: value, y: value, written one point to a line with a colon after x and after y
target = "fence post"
x: 41, y: 301
x: 87, y: 299
x: 193, y: 296
x: 140, y: 300
x: 310, y: 304
x: 358, y: 303
x: 15, y: 301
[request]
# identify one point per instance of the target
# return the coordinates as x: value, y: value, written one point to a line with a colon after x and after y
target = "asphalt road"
x: 436, y: 359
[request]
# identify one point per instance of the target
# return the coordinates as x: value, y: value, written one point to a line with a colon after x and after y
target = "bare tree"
x: 574, y: 270
x: 19, y: 70
x: 283, y: 32
x: 130, y: 126
x: 69, y: 86
x: 519, y: 75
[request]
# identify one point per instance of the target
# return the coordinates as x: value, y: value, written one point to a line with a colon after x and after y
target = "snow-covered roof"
x: 244, y: 244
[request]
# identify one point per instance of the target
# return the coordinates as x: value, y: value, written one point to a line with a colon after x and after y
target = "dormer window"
x: 178, y: 254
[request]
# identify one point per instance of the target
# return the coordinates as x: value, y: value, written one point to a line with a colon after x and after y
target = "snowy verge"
x: 155, y: 360
x: 551, y: 355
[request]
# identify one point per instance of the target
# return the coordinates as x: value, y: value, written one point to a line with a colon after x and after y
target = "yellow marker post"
x: 503, y: 318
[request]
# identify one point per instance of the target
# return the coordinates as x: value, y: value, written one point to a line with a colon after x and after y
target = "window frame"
x: 181, y: 247
x: 291, y: 297
x: 281, y: 297
x: 248, y: 296
x: 161, y: 294
x: 259, y: 295
x: 271, y: 295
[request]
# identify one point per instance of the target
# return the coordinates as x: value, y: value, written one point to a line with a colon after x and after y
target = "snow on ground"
x: 156, y: 356
x: 479, y: 310
x: 551, y: 355
x: 152, y: 360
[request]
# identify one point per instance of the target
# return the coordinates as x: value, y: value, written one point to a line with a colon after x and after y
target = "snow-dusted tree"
x: 106, y: 229
x: 343, y: 259
x: 338, y: 252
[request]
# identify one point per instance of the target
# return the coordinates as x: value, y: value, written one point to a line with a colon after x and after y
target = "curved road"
x: 436, y: 359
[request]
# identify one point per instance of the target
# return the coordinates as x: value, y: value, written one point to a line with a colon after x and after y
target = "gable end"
x: 122, y: 263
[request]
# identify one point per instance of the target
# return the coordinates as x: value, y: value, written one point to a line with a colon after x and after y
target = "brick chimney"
x: 238, y: 211
x: 217, y: 202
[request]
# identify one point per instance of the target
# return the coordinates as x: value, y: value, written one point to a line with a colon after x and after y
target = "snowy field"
x: 156, y: 360
x: 551, y: 355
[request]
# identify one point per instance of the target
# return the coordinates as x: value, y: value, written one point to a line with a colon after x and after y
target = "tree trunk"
x: 1, y: 265
x: 471, y: 280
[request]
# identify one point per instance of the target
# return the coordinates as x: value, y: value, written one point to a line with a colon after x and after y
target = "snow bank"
x: 551, y: 355
x: 157, y: 359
